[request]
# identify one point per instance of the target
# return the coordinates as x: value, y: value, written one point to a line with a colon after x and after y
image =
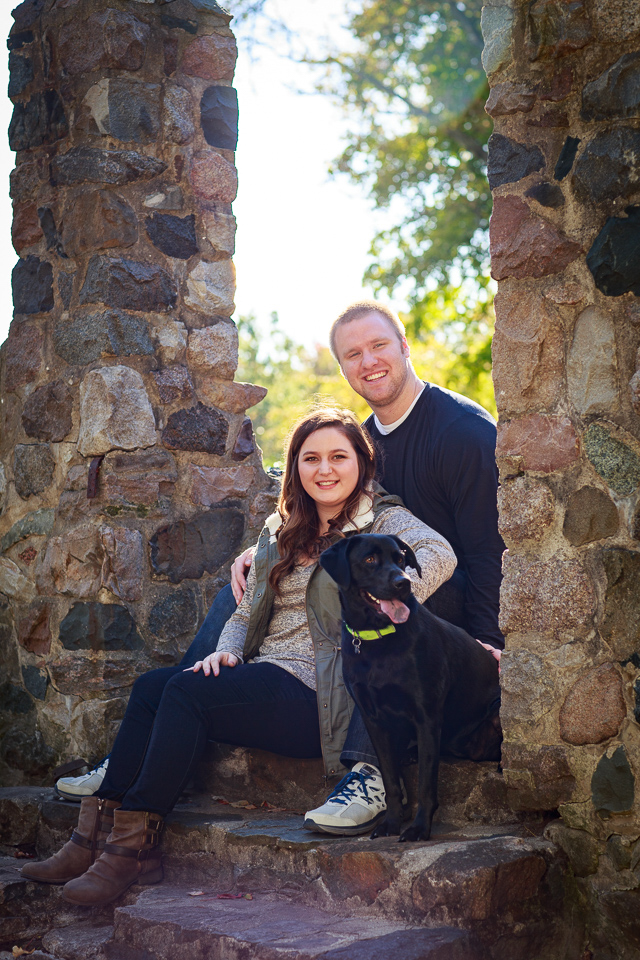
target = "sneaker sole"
x: 73, y: 797
x: 361, y: 828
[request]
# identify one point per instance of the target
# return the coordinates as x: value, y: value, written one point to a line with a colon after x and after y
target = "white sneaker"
x: 355, y: 806
x: 75, y: 788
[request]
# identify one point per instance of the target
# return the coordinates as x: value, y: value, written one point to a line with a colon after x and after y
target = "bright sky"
x: 302, y: 238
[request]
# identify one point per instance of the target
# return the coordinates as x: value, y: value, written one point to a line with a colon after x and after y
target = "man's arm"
x: 470, y: 476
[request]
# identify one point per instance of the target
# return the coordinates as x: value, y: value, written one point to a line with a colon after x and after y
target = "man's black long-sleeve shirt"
x: 441, y: 461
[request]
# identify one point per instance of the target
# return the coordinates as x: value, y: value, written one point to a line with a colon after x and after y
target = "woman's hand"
x: 213, y: 663
x: 239, y: 570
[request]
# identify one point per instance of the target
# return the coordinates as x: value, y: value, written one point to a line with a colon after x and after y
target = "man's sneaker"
x: 355, y: 806
x: 75, y: 788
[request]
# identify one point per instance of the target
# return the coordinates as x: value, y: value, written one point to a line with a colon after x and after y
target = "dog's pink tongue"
x: 396, y: 610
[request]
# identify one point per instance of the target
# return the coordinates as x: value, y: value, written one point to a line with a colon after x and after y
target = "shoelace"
x: 346, y: 789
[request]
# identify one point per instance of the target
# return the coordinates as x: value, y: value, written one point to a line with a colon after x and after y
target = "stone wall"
x: 564, y: 167
x: 129, y: 475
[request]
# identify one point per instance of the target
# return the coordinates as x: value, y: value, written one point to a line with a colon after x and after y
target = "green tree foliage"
x: 414, y: 91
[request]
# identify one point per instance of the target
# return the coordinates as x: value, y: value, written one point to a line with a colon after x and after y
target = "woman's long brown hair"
x: 301, y: 531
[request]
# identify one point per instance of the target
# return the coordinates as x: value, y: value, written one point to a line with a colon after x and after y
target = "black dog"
x: 413, y: 675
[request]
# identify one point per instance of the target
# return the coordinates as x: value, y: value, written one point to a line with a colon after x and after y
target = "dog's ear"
x: 409, y: 555
x: 335, y: 560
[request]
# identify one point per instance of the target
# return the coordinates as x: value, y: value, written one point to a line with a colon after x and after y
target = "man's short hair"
x: 362, y: 309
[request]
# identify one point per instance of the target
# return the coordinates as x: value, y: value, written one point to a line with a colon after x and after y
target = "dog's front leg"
x: 428, y: 736
x: 388, y: 761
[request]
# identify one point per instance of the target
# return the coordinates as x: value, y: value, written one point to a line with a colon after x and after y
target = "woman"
x: 281, y: 688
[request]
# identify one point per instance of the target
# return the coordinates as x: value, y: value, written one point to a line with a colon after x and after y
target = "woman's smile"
x: 329, y: 470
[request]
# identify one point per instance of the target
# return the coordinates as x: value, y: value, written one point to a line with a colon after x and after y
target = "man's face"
x: 373, y: 359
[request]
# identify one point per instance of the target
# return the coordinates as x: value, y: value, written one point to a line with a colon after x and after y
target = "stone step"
x: 467, y: 791
x: 503, y: 883
x: 166, y: 923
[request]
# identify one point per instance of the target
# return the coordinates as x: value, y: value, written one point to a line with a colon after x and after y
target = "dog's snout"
x: 401, y: 585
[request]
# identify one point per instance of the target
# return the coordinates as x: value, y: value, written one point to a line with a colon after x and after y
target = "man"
x: 436, y: 451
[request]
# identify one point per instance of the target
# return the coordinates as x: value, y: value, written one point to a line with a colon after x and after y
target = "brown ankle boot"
x: 95, y: 822
x: 131, y: 855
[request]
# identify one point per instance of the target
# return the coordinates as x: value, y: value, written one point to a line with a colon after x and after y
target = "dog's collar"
x: 359, y: 635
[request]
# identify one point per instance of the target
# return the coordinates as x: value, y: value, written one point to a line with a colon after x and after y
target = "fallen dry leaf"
x: 244, y: 804
x: 196, y: 893
x: 20, y: 952
x: 20, y: 855
x: 234, y: 896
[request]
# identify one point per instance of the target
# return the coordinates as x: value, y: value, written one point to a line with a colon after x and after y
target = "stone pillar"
x: 129, y: 476
x: 564, y: 167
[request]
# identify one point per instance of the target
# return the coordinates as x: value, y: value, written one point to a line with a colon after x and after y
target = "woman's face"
x: 328, y: 469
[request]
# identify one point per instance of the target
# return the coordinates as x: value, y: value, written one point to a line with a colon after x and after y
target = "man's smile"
x: 375, y: 376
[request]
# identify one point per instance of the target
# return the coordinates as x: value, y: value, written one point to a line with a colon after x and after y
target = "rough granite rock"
x: 99, y: 626
x: 544, y: 443
x: 20, y: 73
x: 620, y: 626
x: 123, y: 564
x: 22, y: 355
x: 111, y: 38
x: 219, y: 117
x: 528, y: 353
x: 170, y: 337
x: 213, y: 178
x: 32, y: 286
x: 25, y: 180
x: 211, y: 288
x: 555, y: 28
x: 36, y: 681
x: 94, y: 725
x: 34, y: 632
x: 40, y: 120
x: 128, y: 284
x: 614, y: 257
x: 245, y: 443
x: 140, y: 478
x: 174, y: 383
x: 38, y: 523
x: 72, y: 564
x: 545, y: 595
x: 25, y: 229
x: 590, y: 515
x: 524, y: 245
x: 115, y: 412
x: 175, y: 615
x: 113, y: 677
x: 210, y: 485
x: 210, y: 58
x: 186, y: 549
x: 528, y: 691
x: 497, y: 24
x: 615, y: 21
x: 198, y: 428
x: 527, y: 510
x: 177, y: 125
x: 33, y: 468
x: 126, y: 110
x: 88, y: 165
x: 612, y: 784
x: 609, y: 166
x: 97, y: 220
x: 538, y: 776
x: 13, y: 584
x: 616, y: 462
x: 86, y: 337
x: 235, y: 397
x: 594, y: 708
x: 547, y: 195
x: 510, y: 161
x: 47, y: 412
x: 615, y: 94
x: 508, y: 98
x: 591, y: 364
x: 220, y: 228
x: 214, y: 350
x: 175, y: 236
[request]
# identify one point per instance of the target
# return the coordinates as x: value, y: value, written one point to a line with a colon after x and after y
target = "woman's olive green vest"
x: 325, y: 625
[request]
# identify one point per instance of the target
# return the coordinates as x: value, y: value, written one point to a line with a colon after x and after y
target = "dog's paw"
x: 388, y: 827
x: 415, y: 832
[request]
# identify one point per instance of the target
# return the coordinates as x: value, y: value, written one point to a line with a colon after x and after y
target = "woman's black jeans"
x: 172, y: 714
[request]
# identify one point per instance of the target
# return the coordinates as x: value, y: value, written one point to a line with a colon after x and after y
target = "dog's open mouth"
x: 396, y: 610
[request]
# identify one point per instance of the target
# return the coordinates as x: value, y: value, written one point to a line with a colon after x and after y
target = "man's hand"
x: 213, y: 663
x: 492, y: 650
x: 239, y: 570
